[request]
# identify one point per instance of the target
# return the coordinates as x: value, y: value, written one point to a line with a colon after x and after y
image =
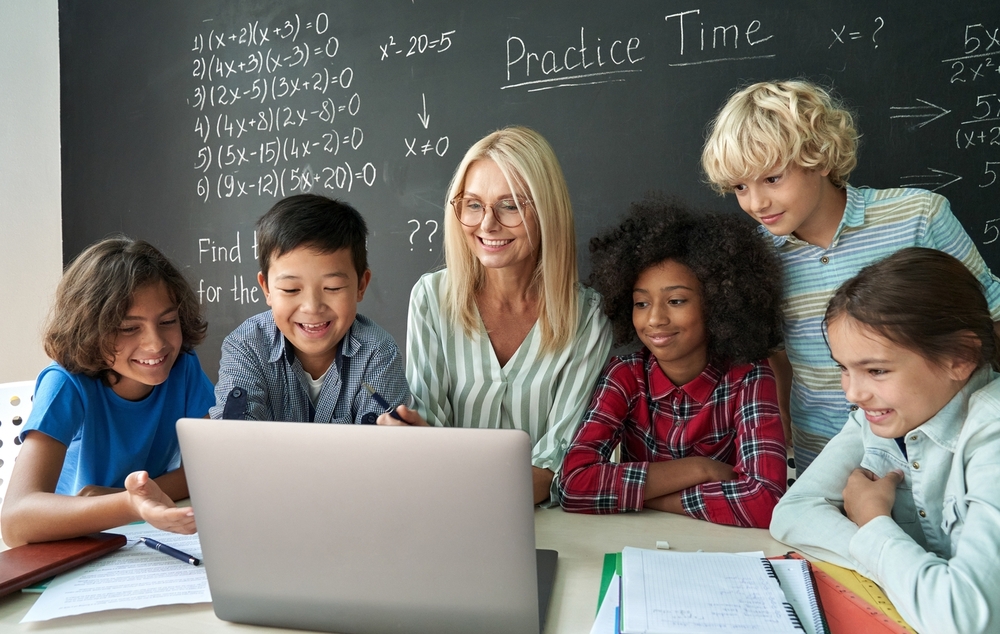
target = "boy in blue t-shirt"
x: 786, y: 150
x: 100, y: 448
x: 308, y: 358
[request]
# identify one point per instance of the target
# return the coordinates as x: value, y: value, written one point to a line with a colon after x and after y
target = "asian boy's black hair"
x: 313, y: 221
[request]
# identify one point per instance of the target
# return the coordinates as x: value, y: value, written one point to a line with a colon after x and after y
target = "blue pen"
x: 168, y: 550
x: 382, y: 402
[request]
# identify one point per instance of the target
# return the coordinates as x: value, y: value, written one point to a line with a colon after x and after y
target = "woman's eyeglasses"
x: 471, y: 211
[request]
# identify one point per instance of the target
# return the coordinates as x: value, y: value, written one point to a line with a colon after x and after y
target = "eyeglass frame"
x: 527, y: 202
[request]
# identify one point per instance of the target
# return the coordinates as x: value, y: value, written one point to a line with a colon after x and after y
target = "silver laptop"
x: 361, y: 529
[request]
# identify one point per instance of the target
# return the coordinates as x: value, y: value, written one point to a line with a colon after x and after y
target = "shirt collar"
x: 944, y: 427
x: 854, y: 216
x: 699, y: 388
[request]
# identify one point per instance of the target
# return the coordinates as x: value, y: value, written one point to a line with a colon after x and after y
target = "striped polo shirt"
x: 876, y: 223
x: 457, y: 381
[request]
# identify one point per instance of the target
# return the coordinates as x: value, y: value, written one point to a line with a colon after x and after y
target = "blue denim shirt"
x: 260, y: 374
x: 938, y: 556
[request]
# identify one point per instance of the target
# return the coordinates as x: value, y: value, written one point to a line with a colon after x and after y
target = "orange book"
x: 846, y: 612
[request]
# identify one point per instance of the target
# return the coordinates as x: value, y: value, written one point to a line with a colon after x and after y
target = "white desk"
x: 582, y: 541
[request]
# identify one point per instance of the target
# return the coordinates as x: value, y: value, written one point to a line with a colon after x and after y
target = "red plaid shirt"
x: 731, y: 417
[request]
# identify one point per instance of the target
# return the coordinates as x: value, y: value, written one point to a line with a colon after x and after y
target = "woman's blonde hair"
x: 770, y: 125
x: 530, y: 166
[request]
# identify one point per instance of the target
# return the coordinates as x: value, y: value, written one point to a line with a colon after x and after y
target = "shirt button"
x: 923, y: 513
x: 916, y: 465
x: 824, y: 260
x: 854, y: 408
x: 913, y: 437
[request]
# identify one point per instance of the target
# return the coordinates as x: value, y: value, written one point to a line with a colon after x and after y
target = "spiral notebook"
x: 800, y: 591
x: 665, y: 592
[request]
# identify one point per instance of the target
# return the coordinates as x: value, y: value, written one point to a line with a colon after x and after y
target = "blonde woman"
x: 505, y: 336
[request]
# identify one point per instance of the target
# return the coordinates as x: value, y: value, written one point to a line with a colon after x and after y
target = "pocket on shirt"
x: 952, y: 518
x: 904, y: 511
x: 879, y: 462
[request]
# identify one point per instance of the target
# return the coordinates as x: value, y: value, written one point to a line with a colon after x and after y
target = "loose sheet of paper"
x: 135, y: 576
x: 606, y: 615
x: 666, y: 592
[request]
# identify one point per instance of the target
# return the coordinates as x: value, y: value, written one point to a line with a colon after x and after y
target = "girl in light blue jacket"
x: 907, y: 493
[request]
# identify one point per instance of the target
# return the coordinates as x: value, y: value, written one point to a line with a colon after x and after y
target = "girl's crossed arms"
x: 695, y: 410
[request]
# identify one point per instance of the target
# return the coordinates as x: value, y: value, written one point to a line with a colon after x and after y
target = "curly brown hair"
x: 96, y: 293
x: 740, y: 275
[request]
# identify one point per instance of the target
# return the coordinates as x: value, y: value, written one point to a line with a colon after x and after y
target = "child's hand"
x: 868, y: 496
x: 153, y: 505
x: 410, y: 418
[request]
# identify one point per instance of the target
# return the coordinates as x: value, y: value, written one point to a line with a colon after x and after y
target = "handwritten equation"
x: 974, y: 114
x: 843, y: 37
x: 278, y: 108
x: 416, y: 45
x: 268, y: 102
x: 980, y: 55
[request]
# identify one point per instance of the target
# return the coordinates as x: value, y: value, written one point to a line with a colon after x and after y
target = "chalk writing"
x: 268, y: 99
x: 425, y: 118
x: 439, y: 147
x: 991, y: 173
x: 991, y: 228
x: 934, y: 180
x: 210, y: 294
x: 416, y: 44
x: 978, y: 60
x: 722, y: 38
x: 921, y: 115
x: 599, y: 62
x: 210, y: 251
x: 244, y: 293
x: 971, y: 133
x: 430, y: 234
x: 842, y: 36
x: 968, y: 139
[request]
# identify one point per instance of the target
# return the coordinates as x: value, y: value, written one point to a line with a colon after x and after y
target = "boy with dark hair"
x: 308, y: 358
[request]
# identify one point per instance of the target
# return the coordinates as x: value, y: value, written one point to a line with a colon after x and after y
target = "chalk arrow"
x: 424, y: 118
x: 935, y: 112
x: 938, y: 179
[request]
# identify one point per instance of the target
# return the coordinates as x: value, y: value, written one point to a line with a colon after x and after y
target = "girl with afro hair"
x: 695, y: 410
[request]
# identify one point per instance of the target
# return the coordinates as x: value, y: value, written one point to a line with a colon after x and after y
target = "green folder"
x: 612, y: 565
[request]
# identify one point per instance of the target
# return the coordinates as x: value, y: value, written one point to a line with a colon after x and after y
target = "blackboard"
x: 183, y: 121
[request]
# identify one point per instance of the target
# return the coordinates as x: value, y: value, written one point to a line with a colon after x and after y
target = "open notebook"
x: 705, y: 593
